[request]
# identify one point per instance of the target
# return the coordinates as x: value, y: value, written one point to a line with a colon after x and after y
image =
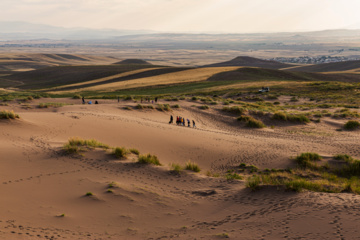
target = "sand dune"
x: 43, y: 189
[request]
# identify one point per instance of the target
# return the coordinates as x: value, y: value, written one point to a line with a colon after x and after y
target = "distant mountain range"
x: 30, y: 31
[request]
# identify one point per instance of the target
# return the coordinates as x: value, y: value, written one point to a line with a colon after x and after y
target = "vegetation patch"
x: 235, y: 110
x: 76, y: 144
x: 176, y: 168
x: 352, y: 125
x: 251, y: 122
x: 282, y: 116
x: 192, y: 167
x: 5, y: 114
x: 52, y: 104
x: 120, y: 152
x: 149, y: 159
x: 204, y: 107
x: 341, y: 176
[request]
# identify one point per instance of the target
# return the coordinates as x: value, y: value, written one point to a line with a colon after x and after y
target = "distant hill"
x: 13, y: 62
x: 244, y: 61
x: 330, y: 67
x: 62, y: 75
x: 133, y: 61
x: 261, y: 74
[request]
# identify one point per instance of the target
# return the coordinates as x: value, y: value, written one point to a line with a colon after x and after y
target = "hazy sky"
x: 188, y: 15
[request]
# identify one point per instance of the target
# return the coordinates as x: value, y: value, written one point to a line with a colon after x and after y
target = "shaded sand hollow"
x: 43, y: 190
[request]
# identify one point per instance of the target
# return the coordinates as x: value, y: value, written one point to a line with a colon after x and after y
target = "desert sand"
x: 43, y: 189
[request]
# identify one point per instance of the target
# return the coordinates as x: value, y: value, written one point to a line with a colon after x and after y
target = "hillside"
x: 133, y: 61
x: 26, y: 62
x: 260, y: 74
x: 62, y: 75
x: 330, y: 67
x: 244, y: 61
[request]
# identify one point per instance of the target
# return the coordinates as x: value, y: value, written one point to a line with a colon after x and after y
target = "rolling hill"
x: 245, y: 61
x: 26, y: 62
x: 260, y: 74
x: 133, y: 61
x: 331, y: 67
x: 63, y: 75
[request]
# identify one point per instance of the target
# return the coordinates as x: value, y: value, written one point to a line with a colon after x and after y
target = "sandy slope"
x: 39, y: 183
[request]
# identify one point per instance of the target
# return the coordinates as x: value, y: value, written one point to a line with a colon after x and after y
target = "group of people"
x: 89, y: 102
x: 180, y: 121
x: 148, y: 100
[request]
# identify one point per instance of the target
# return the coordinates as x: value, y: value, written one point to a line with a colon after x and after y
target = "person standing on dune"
x: 171, y: 119
x: 193, y: 124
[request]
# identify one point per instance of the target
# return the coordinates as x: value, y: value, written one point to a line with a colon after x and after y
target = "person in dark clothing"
x: 156, y: 100
x: 171, y: 119
x: 193, y: 124
x: 96, y: 102
x: 83, y: 100
x: 188, y: 121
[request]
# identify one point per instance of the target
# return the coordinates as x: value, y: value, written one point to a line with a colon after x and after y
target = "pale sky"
x: 235, y: 16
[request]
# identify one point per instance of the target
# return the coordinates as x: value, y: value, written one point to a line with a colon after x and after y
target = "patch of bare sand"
x: 43, y: 190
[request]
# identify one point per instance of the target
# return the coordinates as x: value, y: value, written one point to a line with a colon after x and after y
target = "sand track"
x: 39, y: 182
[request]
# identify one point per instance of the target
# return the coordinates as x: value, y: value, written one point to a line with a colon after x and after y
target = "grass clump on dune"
x: 352, y: 125
x: 56, y: 105
x: 5, y: 114
x: 332, y: 177
x: 163, y: 107
x: 149, y: 159
x: 291, y: 117
x: 76, y: 144
x: 307, y: 160
x: 253, y: 182
x: 235, y: 110
x: 251, y: 122
x: 120, y: 152
x: 204, y: 107
x: 192, y: 167
x: 134, y: 151
x: 176, y: 168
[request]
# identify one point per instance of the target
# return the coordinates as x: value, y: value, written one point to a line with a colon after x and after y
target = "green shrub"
x: 75, y: 143
x: 176, y: 168
x: 120, y: 152
x: 244, y: 118
x: 176, y: 106
x: 254, y: 123
x: 163, y: 107
x: 89, y: 194
x: 134, y: 151
x: 253, y: 182
x: 280, y: 116
x: 231, y: 176
x: 352, y: 125
x: 139, y: 106
x: 306, y: 160
x: 192, y: 166
x: 291, y: 117
x: 76, y: 96
x: 204, y: 107
x: 5, y: 114
x: 47, y: 105
x: 235, y: 110
x: 149, y: 159
x: 194, y: 98
x: 343, y: 157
